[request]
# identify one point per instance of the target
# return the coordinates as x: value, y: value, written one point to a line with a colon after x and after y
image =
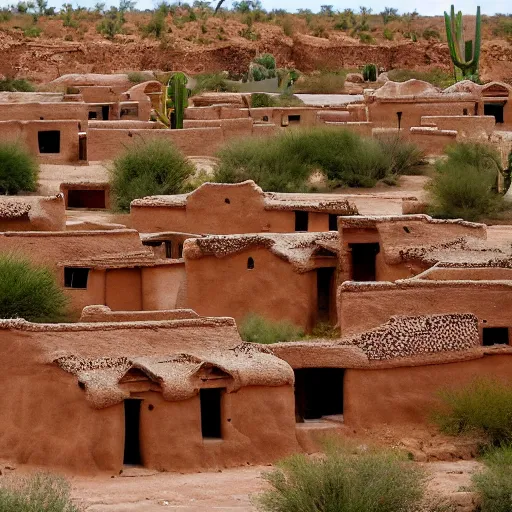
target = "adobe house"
x: 136, y: 281
x: 32, y: 213
x: 280, y: 276
x: 467, y: 274
x: 86, y: 195
x: 391, y: 374
x: 387, y: 248
x: 177, y: 394
x: 497, y: 102
x: 222, y: 208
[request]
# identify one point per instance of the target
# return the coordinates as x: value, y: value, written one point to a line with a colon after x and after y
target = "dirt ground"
x: 228, y: 490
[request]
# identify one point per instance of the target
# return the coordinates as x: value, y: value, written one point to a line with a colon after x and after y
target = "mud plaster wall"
x: 468, y: 274
x: 107, y: 144
x: 44, y: 111
x: 384, y: 114
x: 27, y: 132
x: 432, y: 143
x: 257, y: 423
x: 404, y: 395
x: 365, y: 309
x: 50, y: 248
x: 409, y: 336
x: 46, y: 420
x: 225, y: 287
x: 142, y: 288
x: 466, y: 126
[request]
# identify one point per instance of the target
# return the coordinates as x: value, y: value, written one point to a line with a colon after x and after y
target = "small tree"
x: 112, y: 23
x: 29, y: 291
x: 18, y: 169
x: 152, y: 168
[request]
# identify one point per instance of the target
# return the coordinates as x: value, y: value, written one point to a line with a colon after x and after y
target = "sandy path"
x: 229, y: 490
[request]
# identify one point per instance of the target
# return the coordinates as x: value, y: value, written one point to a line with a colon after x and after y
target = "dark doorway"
x: 294, y: 119
x: 211, y: 413
x: 105, y: 112
x: 76, y: 277
x: 49, y: 141
x: 324, y: 286
x: 494, y: 109
x: 333, y: 222
x: 301, y: 221
x: 93, y: 114
x: 131, y: 432
x: 318, y: 392
x: 363, y: 261
x: 86, y: 199
x: 82, y: 147
x: 494, y: 336
x: 168, y: 249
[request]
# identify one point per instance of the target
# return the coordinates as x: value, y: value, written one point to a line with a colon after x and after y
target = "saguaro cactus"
x: 370, y: 72
x: 174, y: 102
x: 465, y: 55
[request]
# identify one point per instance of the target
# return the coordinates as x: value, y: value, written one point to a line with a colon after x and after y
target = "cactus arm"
x: 478, y: 40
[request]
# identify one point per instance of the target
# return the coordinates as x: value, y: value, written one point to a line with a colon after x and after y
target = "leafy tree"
x: 327, y: 10
x: 112, y: 23
x: 389, y: 14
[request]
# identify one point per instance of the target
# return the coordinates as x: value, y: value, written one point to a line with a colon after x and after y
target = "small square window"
x: 494, y: 336
x: 75, y: 277
x: 49, y: 141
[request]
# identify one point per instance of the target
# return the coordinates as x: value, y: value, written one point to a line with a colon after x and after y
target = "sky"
x: 426, y: 8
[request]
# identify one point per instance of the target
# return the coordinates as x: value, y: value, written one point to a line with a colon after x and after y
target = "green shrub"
x: 482, y: 407
x: 137, y: 77
x: 153, y: 168
x: 367, y: 481
x: 464, y: 184
x: 494, y: 483
x: 214, y: 82
x: 29, y: 291
x: 157, y: 26
x: 430, y: 33
x: 435, y: 76
x: 370, y: 72
x: 388, y: 34
x: 16, y: 85
x: 260, y: 99
x: 366, y: 38
x: 326, y: 82
x: 32, y: 31
x: 266, y: 60
x: 39, y: 493
x: 257, y: 329
x: 18, y: 169
x: 285, y: 162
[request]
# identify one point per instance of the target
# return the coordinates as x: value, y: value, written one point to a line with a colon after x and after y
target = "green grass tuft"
x: 145, y: 169
x: 18, y: 169
x: 257, y: 329
x: 29, y: 291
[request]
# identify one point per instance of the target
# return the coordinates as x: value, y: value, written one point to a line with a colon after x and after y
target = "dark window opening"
x: 86, y: 199
x: 227, y: 201
x: 494, y: 109
x: 250, y: 263
x: 364, y: 261
x: 75, y: 277
x: 131, y: 432
x: 168, y: 249
x: 49, y: 141
x: 294, y: 119
x: 333, y: 222
x: 180, y: 250
x: 93, y: 115
x: 301, y: 221
x: 265, y: 118
x: 399, y: 117
x: 105, y: 112
x: 406, y: 229
x: 318, y: 392
x: 324, y: 287
x: 494, y: 336
x: 82, y: 148
x: 211, y: 412
x: 465, y: 112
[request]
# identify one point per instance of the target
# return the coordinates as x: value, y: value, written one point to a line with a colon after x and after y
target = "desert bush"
x: 435, y: 76
x: 405, y: 157
x: 156, y: 26
x: 260, y: 99
x: 364, y: 481
x: 29, y: 291
x: 32, y: 31
x: 16, y: 85
x: 215, y: 82
x: 18, y: 169
x: 256, y: 329
x: 464, y: 185
x: 366, y: 38
x: 388, y: 34
x: 112, y: 23
x: 138, y: 77
x: 325, y: 82
x: 145, y: 169
x: 431, y: 33
x: 482, y: 407
x: 494, y: 483
x: 38, y: 493
x: 285, y: 162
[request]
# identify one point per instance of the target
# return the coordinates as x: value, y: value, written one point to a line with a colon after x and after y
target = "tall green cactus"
x: 175, y: 101
x: 370, y: 72
x: 465, y: 55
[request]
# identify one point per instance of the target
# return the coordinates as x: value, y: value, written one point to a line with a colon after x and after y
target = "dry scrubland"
x: 40, y: 44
